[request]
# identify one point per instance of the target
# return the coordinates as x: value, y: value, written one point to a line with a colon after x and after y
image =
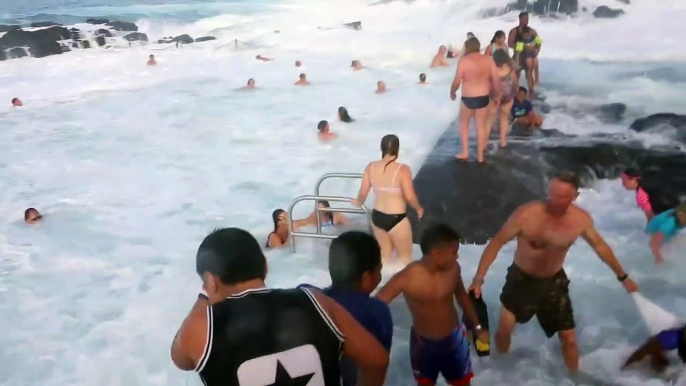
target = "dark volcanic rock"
x: 45, y: 24
x: 3, y: 56
x: 204, y: 39
x: 477, y: 199
x: 605, y: 12
x: 16, y: 53
x: 85, y: 44
x: 123, y: 26
x: 5, y: 28
x: 669, y: 124
x: 136, y: 36
x: 103, y: 32
x: 547, y: 6
x: 41, y: 43
x: 624, y: 1
x: 184, y: 39
x: 101, y: 40
x: 356, y: 25
x: 97, y: 21
x: 75, y: 34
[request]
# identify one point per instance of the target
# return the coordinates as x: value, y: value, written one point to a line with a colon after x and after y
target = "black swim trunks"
x: 547, y: 298
x: 386, y: 221
x: 476, y: 103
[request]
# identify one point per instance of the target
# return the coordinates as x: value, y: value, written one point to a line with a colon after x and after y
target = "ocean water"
x: 132, y: 166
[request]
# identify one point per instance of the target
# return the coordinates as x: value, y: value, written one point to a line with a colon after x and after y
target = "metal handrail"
x: 292, y: 234
x: 318, y: 185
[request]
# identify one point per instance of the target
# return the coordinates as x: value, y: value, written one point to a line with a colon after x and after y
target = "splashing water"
x: 133, y: 165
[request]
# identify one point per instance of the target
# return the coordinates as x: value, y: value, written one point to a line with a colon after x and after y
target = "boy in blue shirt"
x: 355, y: 269
x: 663, y: 227
x: 523, y: 111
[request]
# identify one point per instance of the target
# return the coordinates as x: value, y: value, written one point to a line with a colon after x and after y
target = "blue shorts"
x: 674, y: 339
x: 448, y: 356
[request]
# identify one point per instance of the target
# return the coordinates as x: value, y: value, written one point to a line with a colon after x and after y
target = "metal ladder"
x: 317, y: 198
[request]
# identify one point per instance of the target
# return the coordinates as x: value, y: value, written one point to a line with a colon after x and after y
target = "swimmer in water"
x: 536, y: 282
x: 280, y: 236
x: 298, y: 63
x: 324, y: 130
x: 356, y: 65
x: 430, y: 286
x: 657, y: 346
x: 32, y: 216
x: 151, y: 60
x: 251, y: 84
x: 422, y: 78
x: 380, y: 87
x: 262, y: 58
x: 481, y: 83
x: 663, y: 227
x: 393, y: 191
x: 16, y: 102
x: 343, y: 115
x: 302, y: 81
x: 439, y: 58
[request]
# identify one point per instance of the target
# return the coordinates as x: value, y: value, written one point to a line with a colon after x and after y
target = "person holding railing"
x: 394, y: 190
x: 280, y: 235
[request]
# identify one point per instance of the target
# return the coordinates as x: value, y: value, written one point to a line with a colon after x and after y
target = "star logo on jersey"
x: 285, y: 379
x: 300, y: 366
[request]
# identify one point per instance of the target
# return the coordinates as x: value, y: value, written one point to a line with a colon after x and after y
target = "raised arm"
x: 456, y: 81
x: 407, y: 188
x: 393, y: 288
x: 365, y: 187
x: 509, y: 230
x: 186, y: 348
x: 605, y: 254
x: 360, y: 345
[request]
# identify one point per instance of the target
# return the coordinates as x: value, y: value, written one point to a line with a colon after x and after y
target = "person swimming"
x: 251, y: 84
x: 280, y: 236
x: 656, y: 347
x: 343, y: 115
x: 32, y: 216
x: 380, y: 87
x: 326, y: 218
x: 16, y: 102
x: 151, y: 60
x: 324, y: 130
x: 302, y: 80
x: 394, y: 190
x: 356, y: 65
x: 663, y: 227
x: 422, y: 78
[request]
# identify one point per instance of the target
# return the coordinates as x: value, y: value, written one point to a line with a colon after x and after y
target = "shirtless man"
x: 514, y: 37
x: 438, y: 342
x: 536, y: 283
x: 479, y: 73
x: 324, y: 131
x: 439, y: 59
x: 302, y: 81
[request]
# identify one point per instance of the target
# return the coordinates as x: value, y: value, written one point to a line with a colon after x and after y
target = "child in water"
x: 663, y: 227
x: 529, y: 47
x: 438, y: 341
x: 656, y: 346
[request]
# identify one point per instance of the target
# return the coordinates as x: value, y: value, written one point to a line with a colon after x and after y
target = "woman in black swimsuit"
x: 393, y: 188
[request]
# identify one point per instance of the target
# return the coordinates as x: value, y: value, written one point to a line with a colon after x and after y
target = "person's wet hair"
x: 231, y: 254
x: 437, y: 236
x: 422, y: 77
x: 632, y: 173
x: 327, y: 215
x: 351, y: 255
x: 15, y: 100
x: 523, y: 14
x: 498, y: 34
x: 472, y: 45
x: 275, y: 217
x: 390, y: 145
x: 302, y: 76
x: 568, y: 177
x: 343, y: 114
x: 501, y: 58
x: 322, y: 125
x: 523, y: 89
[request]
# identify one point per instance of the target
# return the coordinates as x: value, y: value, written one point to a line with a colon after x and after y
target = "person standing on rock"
x: 516, y: 36
x: 478, y: 73
x: 536, y: 282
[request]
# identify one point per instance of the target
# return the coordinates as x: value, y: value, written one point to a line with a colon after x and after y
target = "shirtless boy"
x: 536, y: 283
x: 438, y: 341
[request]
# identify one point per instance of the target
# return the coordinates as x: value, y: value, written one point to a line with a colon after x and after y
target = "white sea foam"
x: 133, y: 165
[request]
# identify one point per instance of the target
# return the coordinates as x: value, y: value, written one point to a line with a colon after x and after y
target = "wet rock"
x: 668, y: 124
x: 605, y: 12
x: 184, y: 39
x: 5, y: 28
x: 204, y: 39
x: 356, y: 25
x: 546, y: 6
x: 136, y: 36
x: 85, y: 44
x: 41, y: 43
x: 97, y: 21
x: 627, y: 2
x: 477, y: 199
x: 612, y: 112
x: 101, y: 40
x: 17, y: 52
x: 3, y: 56
x: 38, y: 24
x: 103, y: 32
x: 123, y: 26
x: 75, y: 34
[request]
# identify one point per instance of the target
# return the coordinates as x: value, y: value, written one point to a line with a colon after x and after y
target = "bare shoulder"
x: 582, y: 216
x: 529, y: 209
x: 405, y: 169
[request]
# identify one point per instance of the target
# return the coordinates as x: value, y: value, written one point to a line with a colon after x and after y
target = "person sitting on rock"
x: 16, y: 102
x: 151, y: 60
x: 523, y: 112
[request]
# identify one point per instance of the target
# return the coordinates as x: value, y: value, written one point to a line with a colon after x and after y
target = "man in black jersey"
x: 241, y: 333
